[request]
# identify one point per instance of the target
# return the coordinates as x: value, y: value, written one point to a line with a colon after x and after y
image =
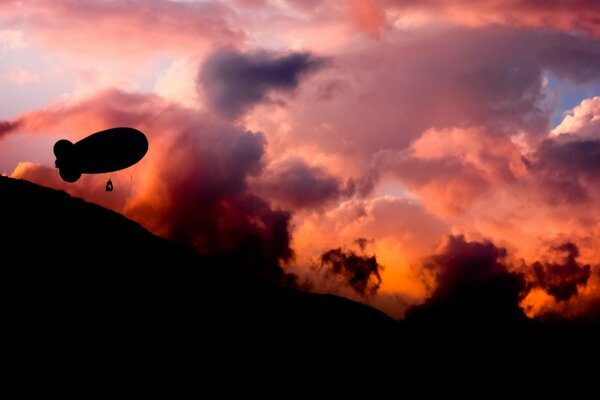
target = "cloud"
x: 477, y: 283
x: 400, y: 231
x: 473, y: 286
x: 451, y: 169
x: 123, y: 30
x: 21, y: 76
x: 583, y: 120
x: 305, y: 5
x: 571, y: 158
x: 359, y: 271
x: 7, y: 127
x: 192, y: 184
x: 439, y: 125
x: 381, y: 98
x: 11, y: 39
x: 368, y: 16
x: 174, y: 83
x: 235, y: 81
x: 566, y: 169
x: 293, y: 184
x: 556, y: 14
x: 563, y: 279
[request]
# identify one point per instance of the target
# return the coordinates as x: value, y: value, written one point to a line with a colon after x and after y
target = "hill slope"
x: 84, y: 283
x: 70, y: 265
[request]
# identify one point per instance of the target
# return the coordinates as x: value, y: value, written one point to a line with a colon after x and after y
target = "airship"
x: 102, y: 152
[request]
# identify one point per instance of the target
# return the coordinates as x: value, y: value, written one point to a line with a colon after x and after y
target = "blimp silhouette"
x: 105, y: 151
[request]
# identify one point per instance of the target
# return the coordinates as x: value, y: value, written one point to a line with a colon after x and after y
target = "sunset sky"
x: 297, y: 127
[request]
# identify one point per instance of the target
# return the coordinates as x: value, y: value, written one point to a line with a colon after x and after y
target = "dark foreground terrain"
x: 83, y: 281
x: 76, y: 269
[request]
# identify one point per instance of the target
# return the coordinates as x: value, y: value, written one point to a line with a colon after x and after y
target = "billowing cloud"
x: 450, y: 169
x: 566, y: 169
x: 192, y: 184
x: 294, y: 184
x: 400, y: 233
x: 235, y: 81
x: 359, y: 271
x: 563, y: 279
x: 382, y: 98
x: 572, y: 158
x: 583, y: 120
x: 473, y: 286
x: 116, y: 30
x: 477, y: 285
x: 431, y: 118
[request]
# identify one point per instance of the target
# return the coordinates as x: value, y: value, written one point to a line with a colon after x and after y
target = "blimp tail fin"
x: 63, y: 148
x: 69, y: 175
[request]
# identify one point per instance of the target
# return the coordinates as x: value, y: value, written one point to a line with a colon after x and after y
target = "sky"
x: 362, y: 148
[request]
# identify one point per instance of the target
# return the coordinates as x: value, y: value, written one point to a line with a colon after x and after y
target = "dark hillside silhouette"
x: 72, y: 266
x: 81, y: 279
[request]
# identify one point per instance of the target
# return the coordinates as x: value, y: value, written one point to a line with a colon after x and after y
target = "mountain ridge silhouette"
x: 65, y: 254
x: 85, y: 283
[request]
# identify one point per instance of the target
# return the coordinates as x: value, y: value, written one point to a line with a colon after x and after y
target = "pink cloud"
x: 11, y: 39
x: 383, y: 97
x: 367, y: 15
x: 7, y: 127
x: 133, y: 29
x: 557, y: 14
x: 22, y: 76
x: 450, y: 169
x: 450, y: 103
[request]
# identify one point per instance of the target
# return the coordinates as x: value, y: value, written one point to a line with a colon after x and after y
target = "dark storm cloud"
x: 563, y: 165
x: 360, y: 272
x: 572, y: 157
x: 510, y: 76
x: 294, y: 184
x: 235, y: 81
x: 362, y: 243
x: 561, y: 280
x: 474, y: 286
x: 209, y: 204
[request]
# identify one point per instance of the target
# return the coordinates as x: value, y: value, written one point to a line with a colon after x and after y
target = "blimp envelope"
x: 106, y: 151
